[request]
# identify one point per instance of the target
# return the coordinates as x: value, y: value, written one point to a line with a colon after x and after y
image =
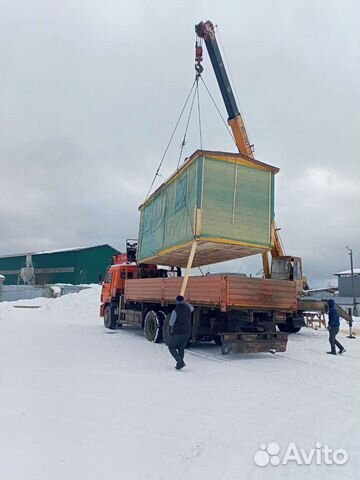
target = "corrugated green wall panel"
x: 91, y: 262
x: 87, y: 264
x: 12, y: 263
x: 237, y: 202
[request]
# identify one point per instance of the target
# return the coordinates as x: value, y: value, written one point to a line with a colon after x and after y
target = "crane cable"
x: 183, y: 143
x: 199, y: 69
x: 170, y: 140
x: 200, y: 135
x: 199, y: 114
x: 188, y: 121
x: 196, y: 94
x: 218, y: 110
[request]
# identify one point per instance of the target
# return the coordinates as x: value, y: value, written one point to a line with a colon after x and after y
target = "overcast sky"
x: 90, y: 91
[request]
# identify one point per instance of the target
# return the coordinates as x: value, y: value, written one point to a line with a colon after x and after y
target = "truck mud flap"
x: 253, y: 342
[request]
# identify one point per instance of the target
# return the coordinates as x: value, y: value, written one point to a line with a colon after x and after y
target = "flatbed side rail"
x: 200, y: 290
x: 261, y: 293
x: 225, y: 292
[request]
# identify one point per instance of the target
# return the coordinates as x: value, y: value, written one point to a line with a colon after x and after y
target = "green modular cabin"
x: 72, y: 265
x: 223, y: 200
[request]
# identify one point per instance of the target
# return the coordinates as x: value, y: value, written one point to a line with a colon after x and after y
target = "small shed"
x: 224, y: 200
x: 349, y: 285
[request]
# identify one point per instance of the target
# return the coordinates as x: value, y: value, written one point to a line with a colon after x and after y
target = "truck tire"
x: 166, y: 329
x: 153, y: 326
x: 288, y: 328
x: 109, y: 317
x: 217, y: 340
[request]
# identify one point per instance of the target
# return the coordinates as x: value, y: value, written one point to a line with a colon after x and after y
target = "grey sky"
x: 90, y: 91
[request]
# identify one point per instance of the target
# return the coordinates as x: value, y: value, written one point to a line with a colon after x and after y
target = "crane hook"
x: 198, y: 57
x: 199, y: 69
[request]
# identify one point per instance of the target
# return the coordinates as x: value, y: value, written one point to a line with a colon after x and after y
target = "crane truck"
x: 239, y: 313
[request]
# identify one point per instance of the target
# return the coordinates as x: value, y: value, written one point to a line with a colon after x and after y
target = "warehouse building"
x: 70, y: 265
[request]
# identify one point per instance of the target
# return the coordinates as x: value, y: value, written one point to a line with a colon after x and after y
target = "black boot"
x: 180, y: 365
x: 331, y: 353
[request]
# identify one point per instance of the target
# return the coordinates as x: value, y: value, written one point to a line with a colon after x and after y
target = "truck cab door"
x: 106, y: 287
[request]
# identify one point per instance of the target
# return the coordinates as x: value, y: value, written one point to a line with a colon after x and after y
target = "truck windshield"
x: 280, y: 269
x: 108, y: 277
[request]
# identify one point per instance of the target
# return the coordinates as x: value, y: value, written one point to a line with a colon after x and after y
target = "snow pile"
x: 79, y: 401
x: 65, y: 308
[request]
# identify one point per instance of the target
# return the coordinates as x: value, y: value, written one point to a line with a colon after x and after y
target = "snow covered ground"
x: 80, y: 402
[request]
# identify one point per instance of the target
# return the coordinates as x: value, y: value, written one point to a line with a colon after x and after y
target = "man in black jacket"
x: 180, y: 330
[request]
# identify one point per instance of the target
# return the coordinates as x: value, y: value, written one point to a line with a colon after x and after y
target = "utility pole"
x: 352, y: 279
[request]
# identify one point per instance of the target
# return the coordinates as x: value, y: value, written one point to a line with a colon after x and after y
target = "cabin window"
x: 108, y: 277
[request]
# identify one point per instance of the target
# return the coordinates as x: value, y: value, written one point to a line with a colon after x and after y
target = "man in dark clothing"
x: 333, y: 327
x: 180, y: 330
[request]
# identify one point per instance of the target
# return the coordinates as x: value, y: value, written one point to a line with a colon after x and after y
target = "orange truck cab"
x: 114, y: 283
x: 113, y: 286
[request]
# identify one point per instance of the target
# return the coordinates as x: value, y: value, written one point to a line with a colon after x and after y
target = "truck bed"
x: 226, y: 292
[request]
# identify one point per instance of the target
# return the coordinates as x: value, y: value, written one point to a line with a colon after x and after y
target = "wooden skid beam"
x: 188, y: 267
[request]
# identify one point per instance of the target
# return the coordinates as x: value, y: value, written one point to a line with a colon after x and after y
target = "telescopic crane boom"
x: 206, y: 31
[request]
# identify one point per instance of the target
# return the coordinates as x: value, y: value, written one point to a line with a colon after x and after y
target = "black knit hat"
x: 179, y: 298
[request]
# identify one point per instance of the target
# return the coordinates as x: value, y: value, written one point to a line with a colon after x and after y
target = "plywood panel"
x: 207, y: 252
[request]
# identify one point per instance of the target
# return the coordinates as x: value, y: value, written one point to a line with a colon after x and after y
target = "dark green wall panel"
x: 86, y: 263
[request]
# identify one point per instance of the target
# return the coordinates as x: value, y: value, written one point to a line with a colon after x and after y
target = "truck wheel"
x: 109, y: 317
x: 283, y: 327
x: 217, y: 340
x: 295, y: 329
x: 166, y: 329
x: 286, y: 328
x: 153, y: 326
